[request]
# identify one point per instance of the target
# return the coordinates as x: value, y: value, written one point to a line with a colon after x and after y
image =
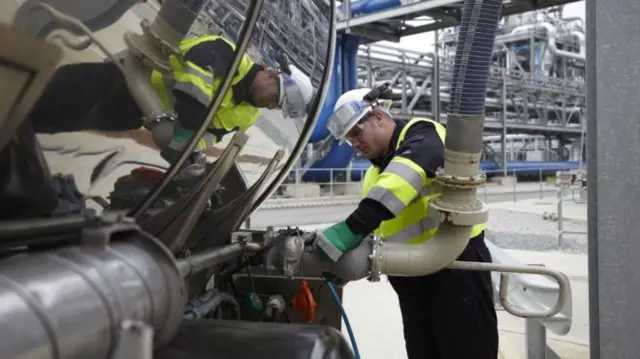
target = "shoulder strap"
x: 442, y: 131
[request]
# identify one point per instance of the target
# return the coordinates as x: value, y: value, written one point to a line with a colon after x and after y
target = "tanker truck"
x: 109, y: 249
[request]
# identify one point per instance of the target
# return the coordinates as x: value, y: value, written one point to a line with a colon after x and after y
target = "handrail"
x: 564, y: 286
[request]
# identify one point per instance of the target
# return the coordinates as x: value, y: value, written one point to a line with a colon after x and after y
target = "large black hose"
x: 180, y: 14
x: 474, y: 52
x: 476, y: 38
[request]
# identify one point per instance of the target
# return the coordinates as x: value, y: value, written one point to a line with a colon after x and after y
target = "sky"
x: 424, y: 42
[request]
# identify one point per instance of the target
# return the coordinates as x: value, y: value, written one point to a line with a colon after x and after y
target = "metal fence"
x: 578, y: 195
x: 338, y: 183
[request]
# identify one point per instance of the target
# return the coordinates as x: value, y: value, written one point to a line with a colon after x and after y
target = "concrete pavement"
x: 570, y: 209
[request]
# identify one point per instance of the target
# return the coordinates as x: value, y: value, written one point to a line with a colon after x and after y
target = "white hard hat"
x: 350, y: 109
x: 296, y: 92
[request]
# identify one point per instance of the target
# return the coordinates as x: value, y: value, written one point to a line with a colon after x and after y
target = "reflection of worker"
x: 94, y: 96
x: 446, y: 315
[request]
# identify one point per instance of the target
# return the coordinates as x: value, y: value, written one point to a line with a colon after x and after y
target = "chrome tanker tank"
x: 103, y: 237
x: 101, y: 160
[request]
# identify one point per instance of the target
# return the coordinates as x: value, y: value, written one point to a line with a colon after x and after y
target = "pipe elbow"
x: 402, y: 260
x: 137, y: 76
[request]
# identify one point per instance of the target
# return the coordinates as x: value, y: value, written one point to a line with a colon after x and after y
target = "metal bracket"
x: 561, y: 279
x: 376, y: 258
x: 99, y: 231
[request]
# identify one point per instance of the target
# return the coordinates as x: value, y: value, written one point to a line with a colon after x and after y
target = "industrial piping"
x: 88, y: 292
x: 458, y: 209
x: 551, y: 40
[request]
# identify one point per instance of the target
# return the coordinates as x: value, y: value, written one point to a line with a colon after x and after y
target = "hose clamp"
x: 376, y: 258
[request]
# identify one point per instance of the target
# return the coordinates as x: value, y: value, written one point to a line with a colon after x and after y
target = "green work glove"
x: 336, y: 240
x: 181, y: 136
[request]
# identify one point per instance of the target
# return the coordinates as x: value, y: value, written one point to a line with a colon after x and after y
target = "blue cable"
x: 334, y: 294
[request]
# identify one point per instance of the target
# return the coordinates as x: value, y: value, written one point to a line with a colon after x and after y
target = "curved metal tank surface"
x: 299, y: 29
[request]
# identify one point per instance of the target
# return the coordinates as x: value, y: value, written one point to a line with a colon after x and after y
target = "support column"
x: 503, y: 138
x: 613, y: 47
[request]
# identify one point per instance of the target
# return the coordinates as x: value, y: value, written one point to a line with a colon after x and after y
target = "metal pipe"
x: 201, y: 261
x: 12, y: 230
x: 89, y: 292
x: 503, y: 137
x: 560, y: 198
x: 435, y: 83
x: 418, y: 93
x: 564, y: 291
x: 536, y: 339
x: 138, y: 77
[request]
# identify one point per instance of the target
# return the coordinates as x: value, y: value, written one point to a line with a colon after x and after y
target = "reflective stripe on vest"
x: 202, y: 85
x: 405, y: 190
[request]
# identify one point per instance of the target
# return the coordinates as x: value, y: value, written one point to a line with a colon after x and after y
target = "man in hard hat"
x: 95, y: 96
x: 446, y: 315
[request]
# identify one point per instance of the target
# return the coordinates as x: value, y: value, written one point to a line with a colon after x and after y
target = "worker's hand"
x: 336, y: 240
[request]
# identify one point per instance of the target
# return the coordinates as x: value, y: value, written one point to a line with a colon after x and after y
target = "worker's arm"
x: 420, y: 154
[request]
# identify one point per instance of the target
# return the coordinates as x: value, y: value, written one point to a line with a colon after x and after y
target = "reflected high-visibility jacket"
x: 201, y: 84
x: 405, y: 190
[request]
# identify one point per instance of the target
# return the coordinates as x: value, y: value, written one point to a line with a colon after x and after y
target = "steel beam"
x: 613, y: 84
x: 494, y: 124
x: 371, y: 33
x: 412, y: 10
x: 440, y: 24
x: 394, y: 12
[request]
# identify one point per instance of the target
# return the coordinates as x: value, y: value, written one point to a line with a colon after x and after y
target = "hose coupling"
x: 376, y: 258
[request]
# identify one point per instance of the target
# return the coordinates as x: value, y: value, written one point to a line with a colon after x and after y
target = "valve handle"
x: 304, y: 303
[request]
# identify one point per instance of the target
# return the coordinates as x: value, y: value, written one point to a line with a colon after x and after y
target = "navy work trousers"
x: 450, y: 314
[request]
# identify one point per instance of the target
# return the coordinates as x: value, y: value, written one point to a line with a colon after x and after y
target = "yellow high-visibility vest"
x: 404, y: 188
x: 202, y: 85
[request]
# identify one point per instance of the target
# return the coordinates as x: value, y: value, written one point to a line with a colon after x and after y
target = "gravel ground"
x: 527, y: 231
